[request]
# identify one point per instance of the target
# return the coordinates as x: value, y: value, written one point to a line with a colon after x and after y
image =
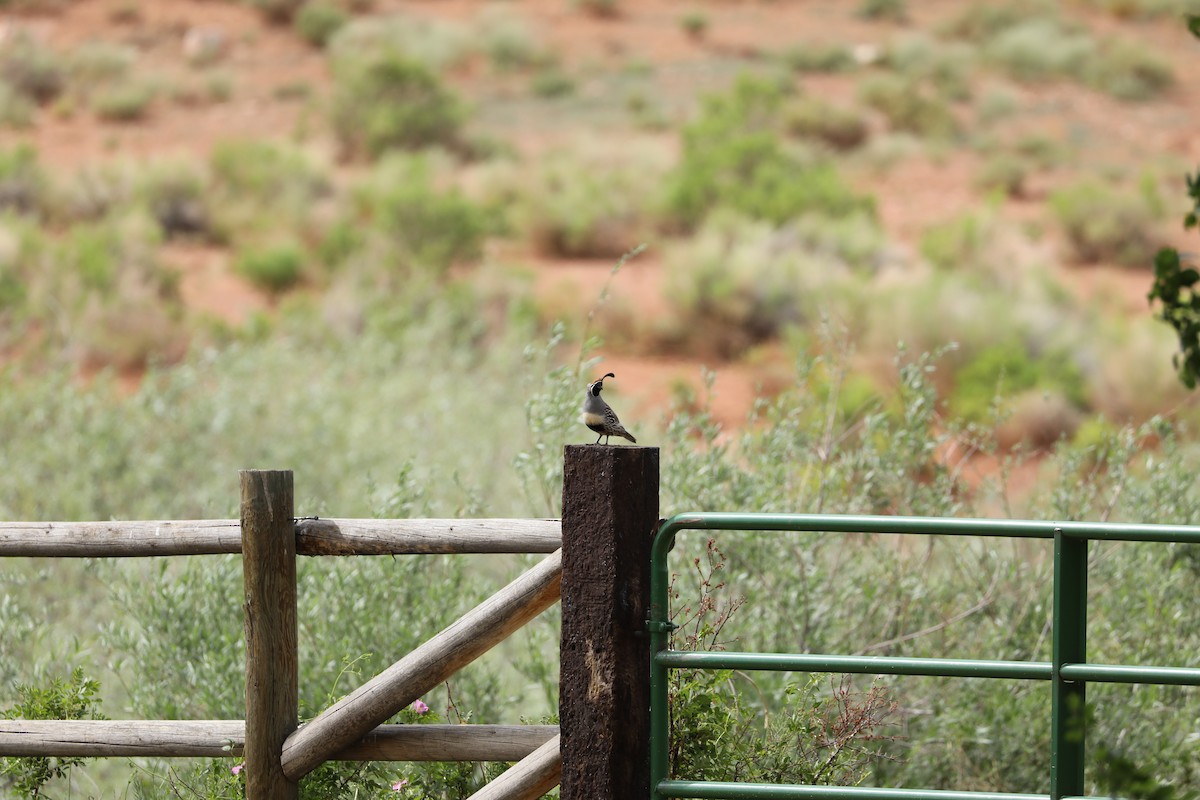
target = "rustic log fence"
x: 598, y: 562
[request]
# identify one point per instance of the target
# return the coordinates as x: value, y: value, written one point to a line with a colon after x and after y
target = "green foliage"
x: 22, y: 180
x: 586, y: 202
x: 1004, y: 370
x: 837, y: 127
x: 429, y: 228
x: 909, y: 106
x: 890, y: 10
x: 275, y: 268
x: 733, y: 157
x: 30, y: 68
x: 818, y: 57
x: 74, y: 698
x: 1175, y: 288
x: 551, y: 82
x: 717, y: 734
x: 740, y: 282
x: 1107, y: 223
x: 127, y: 101
x: 317, y: 21
x: 385, y: 101
x: 694, y: 24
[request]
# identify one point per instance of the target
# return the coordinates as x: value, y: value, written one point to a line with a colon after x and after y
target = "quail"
x: 599, y: 416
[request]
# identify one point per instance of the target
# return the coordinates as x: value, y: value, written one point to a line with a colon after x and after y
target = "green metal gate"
x: 1068, y: 670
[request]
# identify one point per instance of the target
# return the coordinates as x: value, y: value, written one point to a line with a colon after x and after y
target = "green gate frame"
x: 1068, y: 671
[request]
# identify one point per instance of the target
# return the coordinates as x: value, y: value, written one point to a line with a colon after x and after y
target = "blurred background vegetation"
x: 897, y: 260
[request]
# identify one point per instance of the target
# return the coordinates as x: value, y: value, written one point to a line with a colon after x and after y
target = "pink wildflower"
x: 398, y: 786
x: 420, y: 707
x: 237, y: 768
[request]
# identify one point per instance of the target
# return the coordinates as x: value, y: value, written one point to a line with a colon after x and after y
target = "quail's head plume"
x: 599, y: 416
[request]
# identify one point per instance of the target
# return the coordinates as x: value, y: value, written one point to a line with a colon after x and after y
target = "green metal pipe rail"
x: 1068, y: 670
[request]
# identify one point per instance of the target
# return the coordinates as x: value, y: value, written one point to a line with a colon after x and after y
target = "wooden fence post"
x: 610, y: 511
x: 269, y: 575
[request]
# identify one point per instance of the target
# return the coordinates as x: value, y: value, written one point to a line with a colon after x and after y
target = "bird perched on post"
x: 599, y: 416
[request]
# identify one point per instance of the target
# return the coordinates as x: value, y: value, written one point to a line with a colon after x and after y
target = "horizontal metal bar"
x: 1120, y: 673
x: 755, y: 791
x: 943, y: 526
x: 869, y: 665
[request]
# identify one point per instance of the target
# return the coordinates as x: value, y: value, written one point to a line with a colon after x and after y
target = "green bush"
x: 586, y: 202
x: 275, y: 268
x: 955, y: 243
x: 837, y: 127
x: 23, y: 183
x: 818, y: 57
x: 1129, y: 70
x: 429, y: 228
x: 176, y: 196
x: 740, y: 282
x: 1107, y: 223
x: 317, y: 21
x: 74, y: 698
x: 1007, y: 370
x: 31, y: 68
x: 126, y: 101
x: 1041, y: 48
x: 891, y: 10
x: 734, y: 157
x: 909, y: 106
x: 385, y: 101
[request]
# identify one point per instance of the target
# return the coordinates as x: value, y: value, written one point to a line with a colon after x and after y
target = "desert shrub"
x: 176, y: 196
x: 16, y: 110
x: 890, y: 10
x: 739, y: 282
x: 982, y: 21
x: 733, y: 157
x: 254, y: 178
x: 435, y: 44
x: 694, y: 24
x: 96, y: 64
x: 957, y: 242
x: 125, y: 101
x: 909, y: 106
x: 275, y: 268
x: 837, y: 127
x: 385, y: 101
x: 1005, y: 173
x: 589, y: 201
x: 430, y: 228
x: 818, y: 57
x: 31, y: 68
x: 1008, y: 370
x: 551, y: 82
x: 946, y: 68
x: 1129, y: 70
x: 23, y: 183
x: 317, y: 21
x: 509, y: 42
x: 1107, y: 223
x: 1138, y: 9
x: 1041, y: 47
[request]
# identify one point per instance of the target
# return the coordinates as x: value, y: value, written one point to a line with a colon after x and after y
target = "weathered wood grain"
x: 226, y: 738
x: 269, y: 578
x: 314, y: 537
x: 528, y: 779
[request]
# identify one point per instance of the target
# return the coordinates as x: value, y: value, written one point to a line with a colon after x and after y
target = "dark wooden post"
x: 269, y: 575
x: 610, y: 510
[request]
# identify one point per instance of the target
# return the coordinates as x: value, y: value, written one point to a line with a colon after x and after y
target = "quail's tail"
x: 628, y: 435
